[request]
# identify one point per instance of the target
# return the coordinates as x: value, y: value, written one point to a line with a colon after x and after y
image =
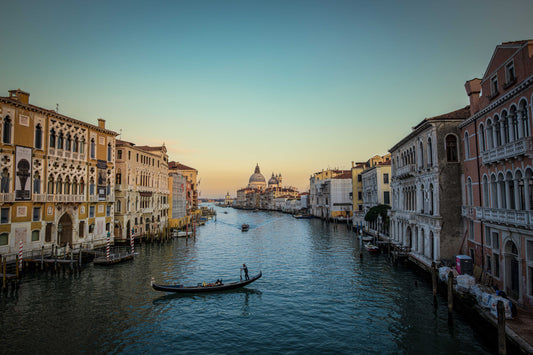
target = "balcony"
x: 7, y: 197
x: 508, y: 151
x: 148, y: 210
x: 471, y: 212
x: 405, y: 171
x: 509, y: 217
x: 39, y: 197
x: 93, y: 198
x: 60, y: 198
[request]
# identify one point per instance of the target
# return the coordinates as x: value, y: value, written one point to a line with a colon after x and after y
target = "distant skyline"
x: 294, y: 86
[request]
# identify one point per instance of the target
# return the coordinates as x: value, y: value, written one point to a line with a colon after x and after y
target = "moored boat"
x: 204, y: 288
x: 371, y: 248
x: 245, y: 227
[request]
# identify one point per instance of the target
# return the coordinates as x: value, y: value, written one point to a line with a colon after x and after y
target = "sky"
x: 294, y: 86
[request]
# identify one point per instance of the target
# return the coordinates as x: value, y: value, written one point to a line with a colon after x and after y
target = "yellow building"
x: 142, y: 190
x: 57, y: 178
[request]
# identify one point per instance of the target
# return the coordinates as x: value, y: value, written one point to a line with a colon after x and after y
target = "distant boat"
x: 302, y: 216
x: 256, y: 210
x: 245, y: 227
x: 184, y: 233
x: 371, y: 248
x: 207, y: 288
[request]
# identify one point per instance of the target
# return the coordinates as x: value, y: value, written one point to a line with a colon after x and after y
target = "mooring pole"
x: 434, y: 282
x: 502, y: 348
x: 450, y: 294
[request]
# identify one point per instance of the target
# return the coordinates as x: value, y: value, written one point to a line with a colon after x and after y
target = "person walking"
x: 245, y: 269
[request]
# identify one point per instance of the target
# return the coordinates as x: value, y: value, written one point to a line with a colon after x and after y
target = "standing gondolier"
x: 245, y: 269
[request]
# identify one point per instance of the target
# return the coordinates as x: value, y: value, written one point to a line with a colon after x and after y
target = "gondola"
x: 209, y: 288
x: 371, y: 248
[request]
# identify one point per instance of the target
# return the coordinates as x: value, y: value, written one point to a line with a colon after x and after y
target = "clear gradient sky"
x: 296, y: 86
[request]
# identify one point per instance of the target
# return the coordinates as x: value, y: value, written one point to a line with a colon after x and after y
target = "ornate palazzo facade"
x: 57, y: 177
x: 426, y: 192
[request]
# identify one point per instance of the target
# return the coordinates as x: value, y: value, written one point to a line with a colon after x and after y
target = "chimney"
x: 353, y: 164
x: 20, y: 95
x: 473, y: 88
x: 101, y: 123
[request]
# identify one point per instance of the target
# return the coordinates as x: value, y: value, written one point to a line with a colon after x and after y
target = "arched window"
x: 119, y: 206
x: 109, y: 152
x: 469, y: 193
x: 67, y: 186
x: 497, y: 132
x: 430, y: 153
x: 493, y: 192
x: 75, y: 144
x: 7, y: 130
x: 467, y: 146
x: 75, y: 186
x: 482, y: 145
x: 52, y: 138
x: 67, y: 143
x: 91, y: 187
x: 521, y: 202
x: 82, y: 187
x: 421, y: 155
x: 525, y: 119
x: 422, y: 200
x: 4, y: 182
x: 93, y: 149
x: 511, y: 191
x: 82, y: 146
x: 38, y: 137
x: 514, y: 119
x: 50, y: 185
x: 4, y: 239
x: 431, y: 200
x: 36, y: 183
x: 451, y: 148
x: 118, y: 179
x: 503, y: 195
x: 59, y: 186
x: 490, y: 140
x: 505, y: 128
x: 485, y: 191
x: 60, y: 140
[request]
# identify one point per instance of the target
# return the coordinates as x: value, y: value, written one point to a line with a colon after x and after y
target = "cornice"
x: 525, y: 84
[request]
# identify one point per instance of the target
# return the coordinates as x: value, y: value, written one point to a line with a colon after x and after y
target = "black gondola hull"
x: 198, y: 289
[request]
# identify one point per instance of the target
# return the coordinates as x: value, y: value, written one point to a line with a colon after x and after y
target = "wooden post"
x: 450, y: 294
x: 502, y: 348
x: 4, y: 270
x: 42, y: 258
x: 434, y: 282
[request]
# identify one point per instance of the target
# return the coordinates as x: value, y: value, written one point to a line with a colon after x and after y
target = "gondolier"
x: 245, y: 269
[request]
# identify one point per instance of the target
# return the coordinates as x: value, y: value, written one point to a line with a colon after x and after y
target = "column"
x: 526, y: 193
x: 517, y: 197
x: 436, y: 245
x: 520, y: 124
x: 511, y: 127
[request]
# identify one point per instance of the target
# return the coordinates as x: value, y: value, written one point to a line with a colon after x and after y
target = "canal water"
x: 315, y: 296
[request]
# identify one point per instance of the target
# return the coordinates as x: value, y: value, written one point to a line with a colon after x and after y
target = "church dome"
x: 257, y: 178
x: 273, y: 180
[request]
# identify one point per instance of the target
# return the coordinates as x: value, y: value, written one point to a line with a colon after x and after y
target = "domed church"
x: 257, y: 180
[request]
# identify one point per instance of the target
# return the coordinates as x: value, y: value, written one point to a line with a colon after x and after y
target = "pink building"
x: 498, y: 170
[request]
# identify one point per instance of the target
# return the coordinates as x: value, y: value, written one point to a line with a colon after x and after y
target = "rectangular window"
x: 91, y: 211
x: 495, y: 241
x: 129, y: 155
x: 385, y: 178
x: 359, y: 195
x: 108, y: 210
x: 494, y: 85
x: 488, y: 264
x: 359, y: 178
x: 36, y: 214
x: 488, y: 239
x: 386, y: 197
x: 509, y: 71
x: 360, y: 207
x: 471, y: 231
x: 529, y: 250
x: 119, y: 154
x: 4, y: 215
x: 35, y: 236
x: 4, y: 239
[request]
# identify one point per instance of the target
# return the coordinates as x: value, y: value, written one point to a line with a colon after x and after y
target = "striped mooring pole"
x: 132, y: 243
x: 107, y: 248
x: 20, y: 255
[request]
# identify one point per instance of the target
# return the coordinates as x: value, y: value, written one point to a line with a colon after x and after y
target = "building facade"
x: 57, y: 178
x: 426, y: 190
x: 498, y: 171
x: 330, y: 194
x: 141, y: 189
x: 192, y: 175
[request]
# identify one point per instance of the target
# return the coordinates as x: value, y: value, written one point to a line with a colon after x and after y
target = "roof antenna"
x: 57, y: 108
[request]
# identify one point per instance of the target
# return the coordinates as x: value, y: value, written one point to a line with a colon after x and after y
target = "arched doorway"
x: 128, y: 229
x: 64, y: 230
x: 409, y: 237
x: 512, y: 270
x: 117, y: 230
